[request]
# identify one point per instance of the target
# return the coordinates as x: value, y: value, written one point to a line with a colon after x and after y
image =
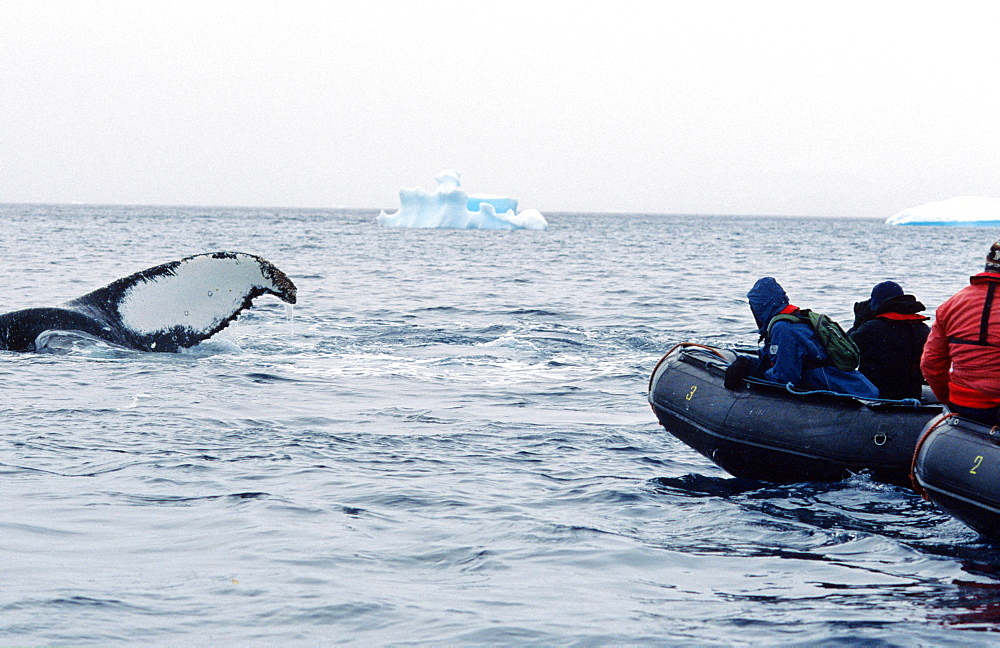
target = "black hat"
x: 883, y: 292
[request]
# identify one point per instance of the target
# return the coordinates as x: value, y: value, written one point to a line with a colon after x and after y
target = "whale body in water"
x: 165, y: 308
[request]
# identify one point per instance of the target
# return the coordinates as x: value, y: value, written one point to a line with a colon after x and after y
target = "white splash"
x: 449, y: 207
x: 65, y: 342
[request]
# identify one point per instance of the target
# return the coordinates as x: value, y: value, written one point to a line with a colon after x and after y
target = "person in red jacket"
x: 961, y: 359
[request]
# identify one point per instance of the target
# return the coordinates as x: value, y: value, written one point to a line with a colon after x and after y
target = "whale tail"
x: 178, y: 304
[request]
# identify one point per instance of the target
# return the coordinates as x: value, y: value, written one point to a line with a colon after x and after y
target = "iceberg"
x: 450, y: 207
x: 968, y: 211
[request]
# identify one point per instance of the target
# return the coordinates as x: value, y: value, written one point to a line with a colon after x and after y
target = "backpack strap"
x: 789, y: 313
x: 984, y: 320
x: 795, y: 316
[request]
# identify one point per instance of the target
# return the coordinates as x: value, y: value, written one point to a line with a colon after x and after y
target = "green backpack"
x: 843, y: 352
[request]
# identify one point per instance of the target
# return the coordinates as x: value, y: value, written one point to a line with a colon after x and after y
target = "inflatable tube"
x: 770, y: 433
x: 957, y: 466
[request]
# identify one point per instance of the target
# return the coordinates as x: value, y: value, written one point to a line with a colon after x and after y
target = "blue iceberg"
x: 968, y: 211
x: 450, y: 207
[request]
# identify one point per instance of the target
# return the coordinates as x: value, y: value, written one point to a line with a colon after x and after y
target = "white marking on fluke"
x: 174, y: 305
x: 200, y: 294
x: 165, y: 308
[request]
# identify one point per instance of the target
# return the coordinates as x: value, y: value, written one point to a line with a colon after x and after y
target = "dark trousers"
x: 988, y: 416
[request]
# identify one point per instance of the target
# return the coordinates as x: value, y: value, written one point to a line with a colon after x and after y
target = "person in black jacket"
x: 890, y: 334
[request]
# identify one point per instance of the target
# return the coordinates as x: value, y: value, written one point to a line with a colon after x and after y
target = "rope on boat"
x: 791, y: 389
x: 904, y: 402
x: 916, y: 451
x: 714, y: 350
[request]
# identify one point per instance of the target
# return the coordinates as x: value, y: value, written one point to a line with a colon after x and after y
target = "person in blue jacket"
x: 791, y: 351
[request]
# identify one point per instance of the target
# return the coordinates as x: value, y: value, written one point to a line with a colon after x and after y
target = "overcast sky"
x: 799, y: 108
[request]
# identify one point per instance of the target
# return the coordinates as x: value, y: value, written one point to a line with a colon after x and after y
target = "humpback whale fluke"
x: 165, y: 308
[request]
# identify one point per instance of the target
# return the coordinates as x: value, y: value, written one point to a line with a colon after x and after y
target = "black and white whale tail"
x: 171, y: 306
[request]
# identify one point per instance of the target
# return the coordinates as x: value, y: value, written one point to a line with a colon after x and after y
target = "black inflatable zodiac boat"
x: 957, y: 466
x: 770, y: 433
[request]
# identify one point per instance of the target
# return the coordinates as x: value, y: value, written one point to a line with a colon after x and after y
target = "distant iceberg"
x: 450, y: 207
x: 968, y: 211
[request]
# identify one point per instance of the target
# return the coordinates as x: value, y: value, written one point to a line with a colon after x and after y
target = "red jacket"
x: 961, y: 358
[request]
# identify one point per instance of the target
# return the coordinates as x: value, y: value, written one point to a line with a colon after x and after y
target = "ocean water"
x: 447, y: 442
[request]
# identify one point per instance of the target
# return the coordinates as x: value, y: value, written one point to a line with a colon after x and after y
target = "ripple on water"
x: 448, y: 443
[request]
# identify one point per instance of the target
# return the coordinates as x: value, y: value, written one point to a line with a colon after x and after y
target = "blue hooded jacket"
x: 793, y: 354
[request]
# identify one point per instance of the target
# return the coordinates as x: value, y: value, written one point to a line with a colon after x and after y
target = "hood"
x: 984, y: 277
x: 903, y: 304
x: 767, y: 298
